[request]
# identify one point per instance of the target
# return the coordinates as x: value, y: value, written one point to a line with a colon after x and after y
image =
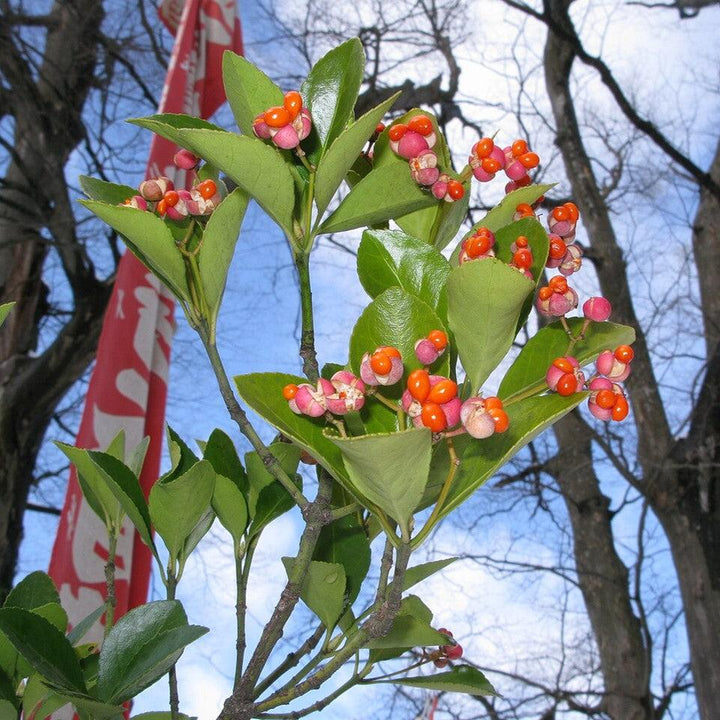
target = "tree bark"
x: 680, y: 478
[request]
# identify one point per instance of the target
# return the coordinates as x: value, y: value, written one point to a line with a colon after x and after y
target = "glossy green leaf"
x: 33, y: 591
x: 322, y: 589
x: 79, y: 631
x: 396, y: 318
x: 481, y: 459
x: 93, y: 483
x: 218, y: 246
x: 181, y: 456
x: 526, y: 376
x: 387, y: 192
x: 220, y: 452
x: 388, y: 258
x: 267, y: 498
x: 263, y: 393
x: 418, y: 573
x: 411, y: 627
x: 485, y: 299
x: 141, y: 647
x: 332, y: 87
x: 344, y: 541
x: 249, y: 90
x: 461, y: 679
x: 5, y: 309
x: 150, y: 239
x: 43, y: 646
x: 343, y: 152
x: 390, y: 469
x: 257, y: 168
x: 104, y: 191
x: 54, y: 614
x: 126, y: 488
x: 178, y: 505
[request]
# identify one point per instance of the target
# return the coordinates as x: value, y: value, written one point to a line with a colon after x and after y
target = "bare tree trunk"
x: 680, y: 478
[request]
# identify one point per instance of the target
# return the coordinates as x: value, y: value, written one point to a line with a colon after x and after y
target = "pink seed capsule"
x: 185, y: 160
x: 475, y: 419
x: 426, y: 352
x: 286, y: 138
x: 597, y: 309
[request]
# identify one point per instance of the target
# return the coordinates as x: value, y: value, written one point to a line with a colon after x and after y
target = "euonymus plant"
x: 400, y: 431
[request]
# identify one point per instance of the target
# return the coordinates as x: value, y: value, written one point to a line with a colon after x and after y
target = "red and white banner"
x: 128, y: 386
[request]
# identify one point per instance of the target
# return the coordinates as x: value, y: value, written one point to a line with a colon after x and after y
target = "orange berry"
x: 443, y: 391
x: 380, y: 362
x: 493, y: 403
x: 484, y: 147
x: 490, y: 165
x: 521, y: 241
x: 390, y: 351
x: 572, y: 210
x: 293, y: 103
x: 433, y: 417
x: 620, y: 409
x: 545, y: 293
x: 523, y: 258
x: 558, y: 248
x: 421, y: 124
x: 438, y: 338
x: 476, y: 246
x: 207, y: 188
x: 563, y: 364
x: 529, y: 160
x: 276, y: 117
x: 519, y: 147
x: 397, y: 131
x: 290, y: 391
x: 162, y: 206
x: 418, y: 384
x: 561, y: 213
x: 171, y: 198
x: 605, y: 399
x: 624, y: 353
x: 455, y: 189
x: 379, y: 128
x: 502, y: 421
x: 567, y: 384
x: 558, y: 284
x: 525, y: 210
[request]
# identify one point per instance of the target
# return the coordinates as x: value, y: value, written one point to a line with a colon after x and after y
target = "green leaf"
x: 526, y: 375
x: 410, y: 628
x: 267, y: 498
x: 257, y: 168
x: 263, y: 393
x: 391, y: 470
x: 220, y: 452
x: 7, y: 710
x: 249, y: 90
x: 399, y: 319
x: 230, y: 506
x: 38, y: 700
x: 5, y: 309
x: 178, y: 505
x: 387, y: 192
x: 162, y: 715
x: 462, y: 679
x: 150, y: 239
x: 388, y: 258
x: 43, y: 646
x: 141, y: 647
x: 343, y: 152
x: 332, y: 87
x: 344, y: 541
x: 104, y: 191
x: 322, y: 590
x: 218, y: 246
x: 485, y: 299
x: 33, y: 591
x: 93, y: 483
x: 7, y: 691
x: 417, y: 574
x: 54, y: 614
x: 89, y: 707
x: 78, y: 632
x: 537, y: 240
x: 126, y: 488
x: 481, y: 459
x: 181, y: 456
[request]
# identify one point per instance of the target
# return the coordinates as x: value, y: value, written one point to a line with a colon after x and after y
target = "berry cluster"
x: 486, y: 159
x: 477, y: 246
x: 159, y: 194
x: 414, y: 141
x: 607, y: 399
x: 445, y: 653
x: 287, y: 125
x: 428, y: 400
x: 557, y: 298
